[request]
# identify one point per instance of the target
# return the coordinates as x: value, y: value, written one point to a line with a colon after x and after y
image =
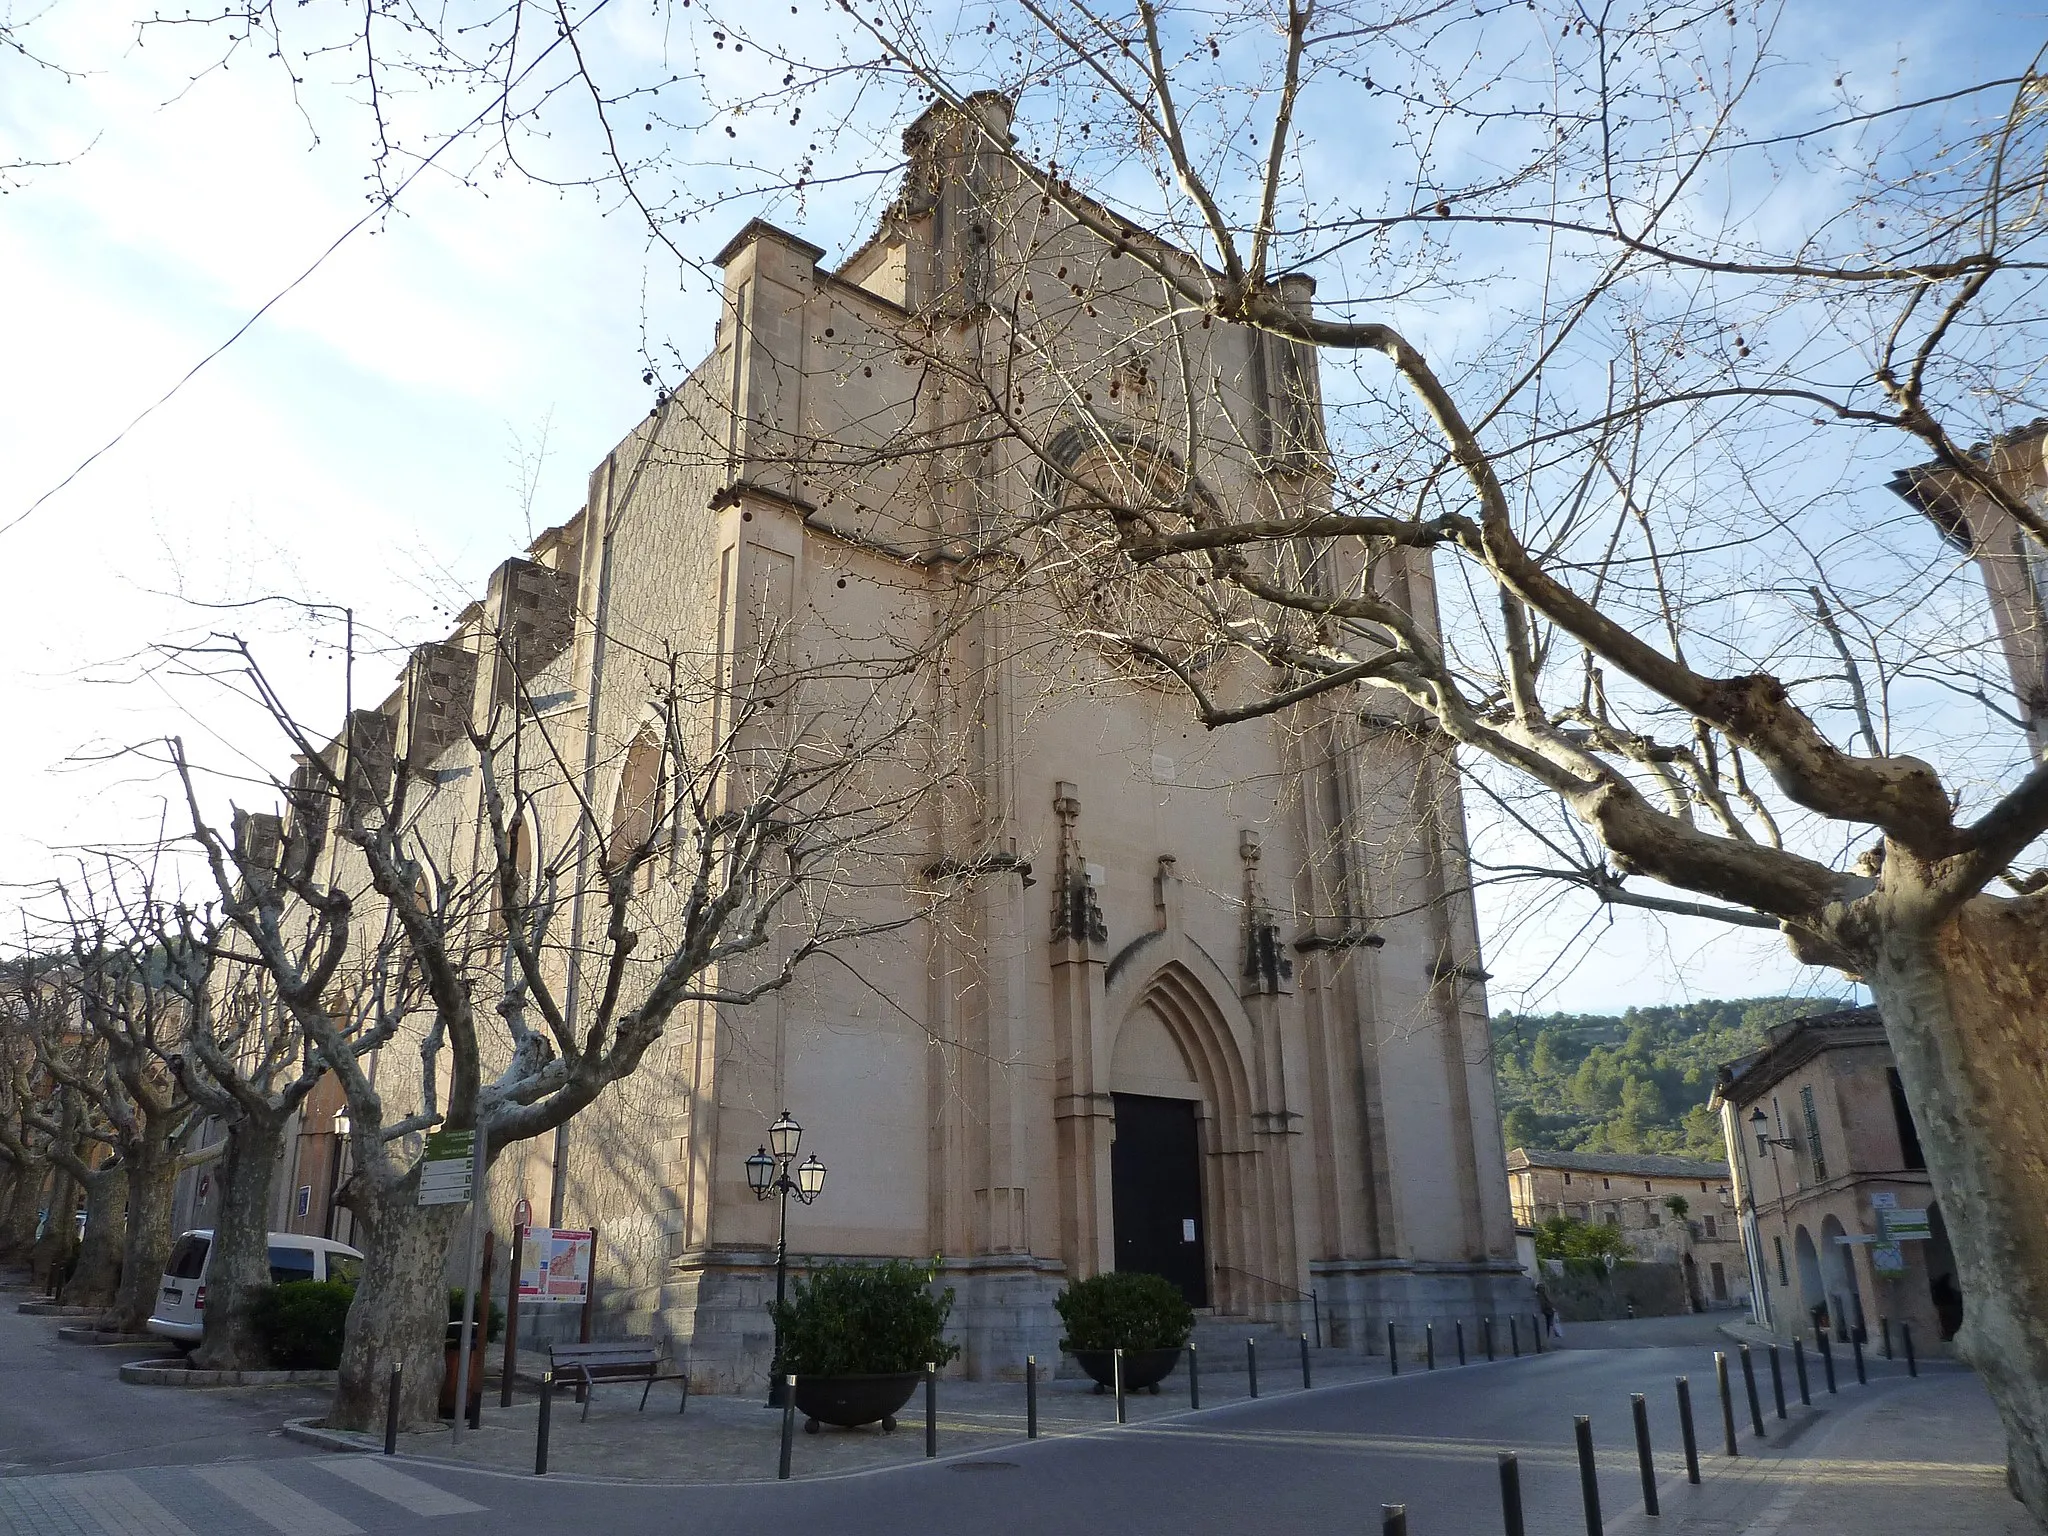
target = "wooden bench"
x: 618, y: 1360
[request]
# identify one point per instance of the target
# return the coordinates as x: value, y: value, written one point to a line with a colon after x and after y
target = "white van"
x: 181, y: 1305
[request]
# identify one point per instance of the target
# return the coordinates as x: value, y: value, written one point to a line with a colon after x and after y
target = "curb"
x: 159, y: 1373
x: 310, y: 1432
x: 103, y: 1336
x: 52, y: 1309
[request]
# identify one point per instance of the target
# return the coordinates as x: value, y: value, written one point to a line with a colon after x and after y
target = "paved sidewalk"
x: 1915, y: 1456
x: 725, y: 1439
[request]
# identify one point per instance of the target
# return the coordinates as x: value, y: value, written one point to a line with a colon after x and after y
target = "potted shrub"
x: 1143, y: 1315
x: 857, y: 1336
x: 483, y: 1330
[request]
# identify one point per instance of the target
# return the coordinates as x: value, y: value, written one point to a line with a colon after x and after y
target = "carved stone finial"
x: 1076, y: 906
x: 1267, y: 965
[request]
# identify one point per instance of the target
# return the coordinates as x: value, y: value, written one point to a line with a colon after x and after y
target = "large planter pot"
x: 1142, y: 1367
x: 450, y: 1355
x: 850, y: 1401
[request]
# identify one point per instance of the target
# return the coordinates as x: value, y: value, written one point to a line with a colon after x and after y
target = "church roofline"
x: 761, y: 229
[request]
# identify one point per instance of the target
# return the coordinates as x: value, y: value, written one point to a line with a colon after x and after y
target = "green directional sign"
x: 448, y: 1171
x: 1908, y: 1226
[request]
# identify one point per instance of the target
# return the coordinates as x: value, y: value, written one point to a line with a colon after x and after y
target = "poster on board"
x: 554, y: 1264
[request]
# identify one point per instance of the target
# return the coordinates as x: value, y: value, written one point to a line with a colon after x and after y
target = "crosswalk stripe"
x: 407, y: 1492
x: 120, y: 1507
x: 279, y: 1507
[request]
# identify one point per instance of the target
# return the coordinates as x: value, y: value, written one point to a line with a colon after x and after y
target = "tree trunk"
x: 401, y: 1309
x: 18, y: 1227
x: 50, y: 1252
x: 152, y: 1178
x: 240, y: 1263
x: 1966, y: 1010
x: 96, y: 1277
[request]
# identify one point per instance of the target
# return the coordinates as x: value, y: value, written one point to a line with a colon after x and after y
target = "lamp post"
x: 1760, y: 1123
x: 769, y: 1176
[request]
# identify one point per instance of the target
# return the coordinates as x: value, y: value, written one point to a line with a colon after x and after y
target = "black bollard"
x: 1589, y: 1479
x: 1515, y: 1336
x: 1906, y: 1333
x: 547, y: 1413
x: 1510, y: 1495
x: 1885, y: 1324
x: 1827, y: 1361
x: 1393, y: 1350
x: 1486, y: 1335
x: 1116, y: 1373
x: 1251, y: 1365
x: 1756, y: 1412
x: 1305, y: 1382
x: 1777, y: 1382
x: 1194, y: 1379
x: 1393, y: 1520
x: 1644, y: 1462
x: 1856, y: 1349
x: 1692, y: 1448
x: 1799, y: 1361
x: 1727, y: 1402
x: 788, y: 1426
x: 391, y: 1409
x: 1429, y: 1344
x: 1461, y: 1341
x: 931, y: 1403
x: 1031, y: 1392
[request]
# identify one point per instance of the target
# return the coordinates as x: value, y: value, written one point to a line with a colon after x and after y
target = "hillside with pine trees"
x: 1634, y: 1083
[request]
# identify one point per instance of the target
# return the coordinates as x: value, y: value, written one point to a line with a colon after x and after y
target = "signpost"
x: 449, y: 1176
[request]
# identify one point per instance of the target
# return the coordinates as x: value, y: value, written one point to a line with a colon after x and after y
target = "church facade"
x: 1203, y: 1002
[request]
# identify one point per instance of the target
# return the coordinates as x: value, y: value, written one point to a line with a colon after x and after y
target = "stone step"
x: 1222, y: 1338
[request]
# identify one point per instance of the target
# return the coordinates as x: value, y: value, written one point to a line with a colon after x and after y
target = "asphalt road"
x: 210, y: 1464
x: 64, y: 1408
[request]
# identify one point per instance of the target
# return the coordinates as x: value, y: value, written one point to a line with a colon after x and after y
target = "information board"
x: 554, y: 1264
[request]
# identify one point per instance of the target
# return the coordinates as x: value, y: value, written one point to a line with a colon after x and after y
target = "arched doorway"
x: 1838, y: 1263
x: 1178, y: 1191
x: 1813, y: 1291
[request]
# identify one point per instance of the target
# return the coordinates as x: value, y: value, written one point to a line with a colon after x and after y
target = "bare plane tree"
x: 388, y: 914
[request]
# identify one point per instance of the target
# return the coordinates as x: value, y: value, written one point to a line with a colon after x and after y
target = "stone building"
x: 1838, y: 1213
x: 1634, y: 1192
x: 1207, y: 1003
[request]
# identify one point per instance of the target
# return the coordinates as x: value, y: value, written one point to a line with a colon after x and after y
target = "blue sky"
x: 372, y: 440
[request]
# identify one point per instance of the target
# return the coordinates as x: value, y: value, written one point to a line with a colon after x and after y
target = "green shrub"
x: 492, y: 1331
x: 301, y: 1322
x: 1566, y: 1237
x: 1122, y: 1310
x: 864, y: 1319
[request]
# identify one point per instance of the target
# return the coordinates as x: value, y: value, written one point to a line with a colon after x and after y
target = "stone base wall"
x: 713, y: 1312
x: 1360, y: 1297
x: 1003, y: 1314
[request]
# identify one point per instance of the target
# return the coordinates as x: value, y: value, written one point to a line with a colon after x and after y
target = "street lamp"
x: 1761, y: 1124
x: 768, y: 1176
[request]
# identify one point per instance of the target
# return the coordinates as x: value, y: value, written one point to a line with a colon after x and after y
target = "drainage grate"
x: 984, y: 1466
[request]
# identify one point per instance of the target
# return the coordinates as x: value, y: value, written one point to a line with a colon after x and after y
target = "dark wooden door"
x: 1155, y: 1174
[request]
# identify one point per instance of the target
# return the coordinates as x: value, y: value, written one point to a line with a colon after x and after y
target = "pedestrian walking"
x: 1551, y: 1325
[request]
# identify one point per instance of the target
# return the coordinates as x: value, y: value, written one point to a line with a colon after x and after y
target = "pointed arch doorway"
x: 1155, y: 1175
x: 1177, y: 1087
